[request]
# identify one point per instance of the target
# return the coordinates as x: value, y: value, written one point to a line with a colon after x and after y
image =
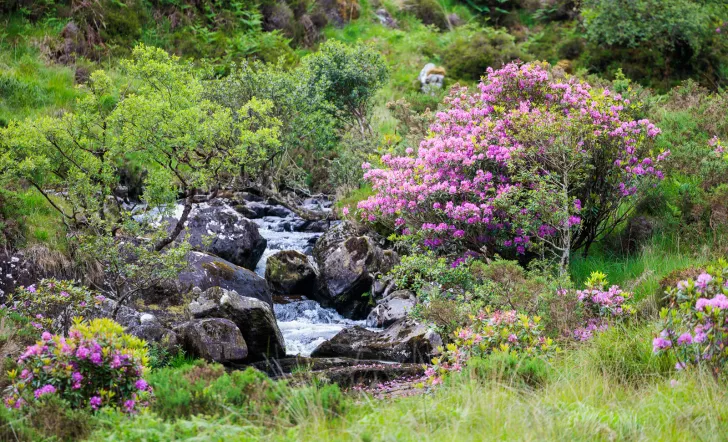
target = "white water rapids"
x: 304, y: 324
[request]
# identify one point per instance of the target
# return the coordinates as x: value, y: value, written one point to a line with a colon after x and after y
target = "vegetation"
x: 558, y: 207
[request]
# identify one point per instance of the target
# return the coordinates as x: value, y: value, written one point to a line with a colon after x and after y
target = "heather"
x: 364, y: 220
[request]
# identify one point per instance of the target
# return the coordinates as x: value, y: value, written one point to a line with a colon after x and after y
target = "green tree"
x: 348, y: 77
x: 159, y: 120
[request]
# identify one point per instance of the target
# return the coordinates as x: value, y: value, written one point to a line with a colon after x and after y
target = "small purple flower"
x: 680, y: 366
x: 77, y: 377
x: 46, y: 336
x: 141, y: 384
x: 685, y: 339
x: 32, y: 289
x: 96, y: 358
x: 95, y: 402
x: 82, y: 352
x: 129, y: 405
x: 44, y: 390
x: 660, y: 344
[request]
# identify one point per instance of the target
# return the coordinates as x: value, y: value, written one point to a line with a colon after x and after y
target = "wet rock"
x: 254, y: 318
x: 403, y: 341
x: 290, y: 273
x: 213, y: 339
x: 391, y: 308
x: 347, y: 267
x: 234, y: 237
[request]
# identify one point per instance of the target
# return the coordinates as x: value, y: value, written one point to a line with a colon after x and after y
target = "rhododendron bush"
x: 492, y: 332
x: 696, y: 322
x: 526, y: 161
x: 97, y: 365
x: 602, y: 304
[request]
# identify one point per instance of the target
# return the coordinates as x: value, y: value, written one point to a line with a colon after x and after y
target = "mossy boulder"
x: 206, y: 271
x: 290, y: 272
x: 213, y: 339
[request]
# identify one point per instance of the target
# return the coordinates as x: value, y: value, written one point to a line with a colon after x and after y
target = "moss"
x: 220, y: 270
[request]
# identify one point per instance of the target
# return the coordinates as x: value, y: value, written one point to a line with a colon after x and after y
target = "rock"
x: 332, y: 239
x: 279, y: 211
x: 431, y: 78
x: 155, y: 332
x: 125, y: 316
x: 234, y: 237
x: 343, y: 371
x: 403, y: 341
x: 206, y: 271
x: 289, y: 272
x: 386, y: 18
x: 246, y: 211
x: 347, y: 268
x: 214, y: 339
x: 254, y: 318
x: 393, y: 307
x: 28, y: 266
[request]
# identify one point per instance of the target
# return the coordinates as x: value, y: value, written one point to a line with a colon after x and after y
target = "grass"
x: 641, y: 272
x: 611, y: 388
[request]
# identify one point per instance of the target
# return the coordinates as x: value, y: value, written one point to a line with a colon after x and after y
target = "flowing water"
x: 304, y: 323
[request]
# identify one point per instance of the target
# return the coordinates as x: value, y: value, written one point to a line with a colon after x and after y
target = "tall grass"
x: 642, y: 272
x: 611, y: 388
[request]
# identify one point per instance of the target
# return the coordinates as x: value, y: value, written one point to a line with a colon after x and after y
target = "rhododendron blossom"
x: 526, y: 160
x: 696, y: 324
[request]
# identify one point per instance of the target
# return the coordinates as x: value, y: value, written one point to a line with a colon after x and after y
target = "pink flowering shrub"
x: 96, y: 366
x: 51, y: 305
x: 602, y: 304
x: 492, y: 332
x: 527, y: 160
x: 696, y: 322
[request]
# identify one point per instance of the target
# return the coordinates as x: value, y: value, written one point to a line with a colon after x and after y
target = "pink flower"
x: 44, y: 390
x: 95, y: 402
x: 685, y: 339
x: 46, y: 336
x: 660, y: 343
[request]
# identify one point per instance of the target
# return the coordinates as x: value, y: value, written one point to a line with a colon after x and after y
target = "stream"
x: 304, y: 323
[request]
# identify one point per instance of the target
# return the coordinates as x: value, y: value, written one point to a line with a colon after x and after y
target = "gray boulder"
x: 403, y: 341
x: 348, y: 265
x: 290, y: 272
x: 391, y: 308
x: 234, y: 237
x: 207, y: 271
x: 254, y: 318
x: 213, y: 339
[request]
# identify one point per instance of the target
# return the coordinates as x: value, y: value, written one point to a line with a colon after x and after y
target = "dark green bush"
x: 469, y: 55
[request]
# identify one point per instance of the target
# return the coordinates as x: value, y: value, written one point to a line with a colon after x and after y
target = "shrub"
x: 52, y: 305
x: 601, y: 304
x: 470, y: 53
x: 96, y: 366
x: 425, y: 274
x: 348, y: 77
x: 526, y: 162
x: 696, y: 321
x: 496, y: 332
